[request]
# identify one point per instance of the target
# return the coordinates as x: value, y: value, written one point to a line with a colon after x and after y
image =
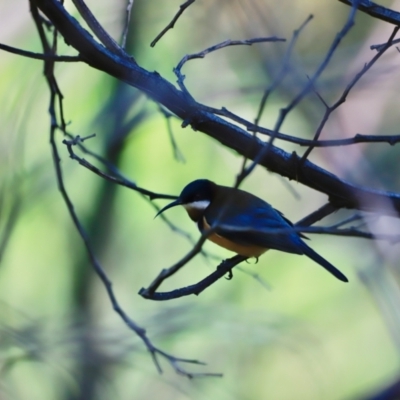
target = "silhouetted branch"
x: 358, y: 138
x: 219, y: 46
x: 97, y: 29
x: 227, y: 265
x: 375, y: 10
x: 37, y: 56
x: 306, y: 89
x: 283, y: 71
x: 117, y: 180
x: 182, y: 8
x: 340, y: 192
x: 379, y: 46
x: 330, y: 109
x: 177, y: 153
x: 127, y: 22
x: 55, y: 94
x: 166, y: 273
x: 9, y: 220
x: 317, y: 215
x: 224, y: 268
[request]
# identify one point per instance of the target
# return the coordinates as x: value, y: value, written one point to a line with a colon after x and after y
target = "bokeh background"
x: 290, y: 332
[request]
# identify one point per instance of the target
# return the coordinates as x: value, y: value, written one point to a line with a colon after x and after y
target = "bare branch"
x: 177, y: 153
x: 317, y: 215
x: 306, y: 89
x: 284, y: 69
x: 54, y: 95
x: 118, y: 180
x: 171, y: 25
x: 256, y: 277
x: 166, y: 273
x: 9, y: 221
x: 275, y: 83
x: 219, y: 46
x: 227, y: 265
x: 222, y: 269
x: 375, y: 10
x: 358, y: 138
x: 127, y: 21
x: 340, y: 192
x: 330, y: 109
x: 97, y: 29
x: 37, y: 56
x: 378, y: 47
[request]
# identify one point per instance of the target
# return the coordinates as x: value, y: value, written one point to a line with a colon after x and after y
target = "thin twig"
x: 54, y: 95
x: 97, y: 29
x: 224, y: 268
x: 10, y: 221
x: 275, y: 83
x: 227, y: 265
x: 251, y: 127
x: 182, y: 8
x: 256, y: 277
x: 378, y: 47
x: 317, y: 215
x: 306, y: 89
x: 375, y: 10
x: 38, y: 56
x: 147, y: 195
x: 284, y: 69
x: 166, y: 273
x: 330, y: 109
x: 219, y: 46
x: 227, y: 133
x: 177, y: 153
x: 118, y: 180
x: 127, y: 22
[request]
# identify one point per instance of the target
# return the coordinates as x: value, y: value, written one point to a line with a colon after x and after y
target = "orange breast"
x: 247, y: 251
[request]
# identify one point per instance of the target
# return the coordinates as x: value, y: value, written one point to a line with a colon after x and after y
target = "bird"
x: 243, y: 223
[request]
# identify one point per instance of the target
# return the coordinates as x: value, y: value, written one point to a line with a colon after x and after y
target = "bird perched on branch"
x: 243, y: 223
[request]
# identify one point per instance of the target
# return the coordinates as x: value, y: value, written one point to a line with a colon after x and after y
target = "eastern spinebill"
x: 243, y: 222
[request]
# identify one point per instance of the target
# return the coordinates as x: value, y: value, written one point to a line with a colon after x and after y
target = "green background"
x: 292, y: 332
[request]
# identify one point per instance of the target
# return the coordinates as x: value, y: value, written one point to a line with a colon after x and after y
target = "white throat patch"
x: 197, y: 205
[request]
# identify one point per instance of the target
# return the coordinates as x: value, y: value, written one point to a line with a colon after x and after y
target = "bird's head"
x: 195, y: 198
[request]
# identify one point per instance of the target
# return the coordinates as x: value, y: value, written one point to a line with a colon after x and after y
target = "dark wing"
x: 260, y: 220
x: 290, y: 223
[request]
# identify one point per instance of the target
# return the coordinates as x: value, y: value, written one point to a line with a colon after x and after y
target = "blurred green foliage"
x: 307, y: 337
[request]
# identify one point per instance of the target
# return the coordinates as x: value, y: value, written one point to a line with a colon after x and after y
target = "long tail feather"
x: 308, y: 251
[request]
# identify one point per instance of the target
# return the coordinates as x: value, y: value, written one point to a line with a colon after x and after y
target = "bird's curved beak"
x: 176, y: 202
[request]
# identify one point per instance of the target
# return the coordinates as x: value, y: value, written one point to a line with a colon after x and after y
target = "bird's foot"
x: 248, y: 262
x: 230, y: 275
x: 229, y: 272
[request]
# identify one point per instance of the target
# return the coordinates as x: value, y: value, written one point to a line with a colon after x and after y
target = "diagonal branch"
x: 358, y: 138
x: 219, y: 46
x: 97, y: 29
x: 340, y: 192
x: 330, y: 109
x: 301, y: 95
x: 37, y: 56
x: 376, y: 10
x: 227, y: 265
x: 128, y: 10
x: 117, y: 180
x: 284, y: 69
x: 171, y: 25
x: 55, y: 125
